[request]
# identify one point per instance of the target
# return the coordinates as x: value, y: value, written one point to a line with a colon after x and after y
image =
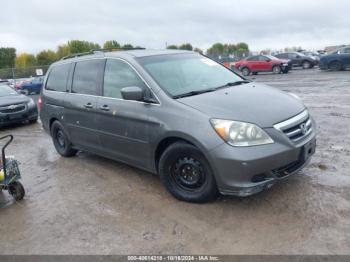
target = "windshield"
x: 5, y: 90
x: 183, y: 73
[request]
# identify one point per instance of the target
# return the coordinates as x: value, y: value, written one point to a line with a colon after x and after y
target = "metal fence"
x: 16, y: 73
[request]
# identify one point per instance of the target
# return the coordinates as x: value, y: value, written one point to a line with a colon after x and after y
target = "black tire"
x: 306, y: 64
x: 32, y: 121
x: 335, y: 66
x: 61, y: 141
x: 276, y: 69
x: 186, y: 174
x: 16, y: 190
x: 245, y: 71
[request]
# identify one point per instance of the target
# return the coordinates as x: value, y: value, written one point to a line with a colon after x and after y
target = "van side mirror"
x: 132, y: 93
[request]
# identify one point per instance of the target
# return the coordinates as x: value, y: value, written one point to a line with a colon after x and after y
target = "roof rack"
x: 94, y: 51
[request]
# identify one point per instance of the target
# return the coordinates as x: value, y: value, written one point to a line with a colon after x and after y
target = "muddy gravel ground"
x: 91, y: 205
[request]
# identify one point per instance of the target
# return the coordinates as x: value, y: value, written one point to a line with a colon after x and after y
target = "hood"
x: 12, y: 100
x: 254, y: 103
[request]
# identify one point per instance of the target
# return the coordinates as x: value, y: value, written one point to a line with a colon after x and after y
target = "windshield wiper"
x: 236, y: 83
x: 192, y: 93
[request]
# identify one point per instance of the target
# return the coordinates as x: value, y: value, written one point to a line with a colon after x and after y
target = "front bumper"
x: 14, y: 118
x: 249, y: 170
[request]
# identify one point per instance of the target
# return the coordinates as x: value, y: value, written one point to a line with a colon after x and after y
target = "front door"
x: 123, y: 124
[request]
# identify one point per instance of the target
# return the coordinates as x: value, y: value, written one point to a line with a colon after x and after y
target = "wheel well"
x: 334, y: 61
x: 51, y: 121
x: 164, y: 144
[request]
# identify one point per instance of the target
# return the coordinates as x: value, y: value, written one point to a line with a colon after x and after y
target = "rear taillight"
x: 40, y: 103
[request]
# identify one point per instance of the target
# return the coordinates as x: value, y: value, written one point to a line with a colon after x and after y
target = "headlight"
x: 31, y: 103
x: 240, y: 133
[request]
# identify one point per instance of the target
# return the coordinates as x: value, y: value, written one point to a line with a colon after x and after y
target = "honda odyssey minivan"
x: 204, y: 129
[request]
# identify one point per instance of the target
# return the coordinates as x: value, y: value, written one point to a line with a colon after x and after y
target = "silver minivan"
x: 204, y: 129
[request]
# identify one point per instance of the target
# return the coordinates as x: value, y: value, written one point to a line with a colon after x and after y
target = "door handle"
x: 88, y: 105
x: 104, y: 108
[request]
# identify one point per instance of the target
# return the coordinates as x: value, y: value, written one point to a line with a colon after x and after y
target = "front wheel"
x: 186, y: 174
x: 245, y: 71
x: 61, y: 141
x: 16, y: 190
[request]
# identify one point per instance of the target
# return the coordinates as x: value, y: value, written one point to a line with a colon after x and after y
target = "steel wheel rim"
x: 60, y: 138
x: 188, y: 173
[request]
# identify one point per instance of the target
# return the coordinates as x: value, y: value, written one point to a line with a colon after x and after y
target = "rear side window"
x: 253, y: 58
x: 263, y: 58
x: 57, y: 79
x: 87, y: 77
x: 118, y: 75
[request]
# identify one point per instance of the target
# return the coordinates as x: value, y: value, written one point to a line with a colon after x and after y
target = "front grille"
x: 12, y: 109
x: 296, y: 128
x: 288, y: 169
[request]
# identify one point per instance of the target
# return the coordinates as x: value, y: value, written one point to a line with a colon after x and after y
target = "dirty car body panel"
x: 132, y: 131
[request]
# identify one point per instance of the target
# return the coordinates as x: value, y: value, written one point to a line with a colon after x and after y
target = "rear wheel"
x: 276, y: 69
x: 61, y: 140
x: 335, y: 66
x: 245, y: 71
x: 186, y: 173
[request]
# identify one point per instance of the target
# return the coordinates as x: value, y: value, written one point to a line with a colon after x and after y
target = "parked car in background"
x: 338, y: 60
x: 16, y: 108
x: 262, y: 63
x: 31, y: 86
x: 201, y: 127
x: 298, y: 59
x: 313, y: 55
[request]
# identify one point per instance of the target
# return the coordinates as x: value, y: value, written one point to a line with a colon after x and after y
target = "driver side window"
x: 118, y: 75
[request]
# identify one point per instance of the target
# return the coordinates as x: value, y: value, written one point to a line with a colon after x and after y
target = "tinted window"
x: 87, y: 77
x: 57, y: 80
x: 118, y: 75
x: 263, y: 58
x: 253, y: 58
x: 347, y: 50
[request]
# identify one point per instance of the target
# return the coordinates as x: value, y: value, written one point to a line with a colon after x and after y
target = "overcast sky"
x: 33, y: 25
